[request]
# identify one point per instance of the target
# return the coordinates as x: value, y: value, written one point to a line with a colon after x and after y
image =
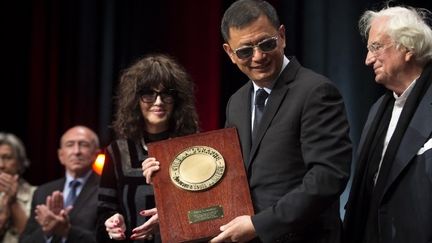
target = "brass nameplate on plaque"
x: 205, y: 214
x: 197, y: 168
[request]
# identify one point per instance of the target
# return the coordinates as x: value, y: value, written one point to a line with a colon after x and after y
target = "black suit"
x: 82, y: 216
x: 299, y: 164
x: 404, y: 211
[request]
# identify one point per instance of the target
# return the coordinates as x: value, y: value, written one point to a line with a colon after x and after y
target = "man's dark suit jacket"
x: 405, y: 208
x: 299, y: 164
x: 83, y: 216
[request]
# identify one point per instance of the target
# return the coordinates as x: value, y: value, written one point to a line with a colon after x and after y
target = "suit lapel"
x: 367, y: 126
x: 416, y: 135
x: 244, y: 116
x: 356, y: 192
x: 89, y: 189
x: 274, y: 102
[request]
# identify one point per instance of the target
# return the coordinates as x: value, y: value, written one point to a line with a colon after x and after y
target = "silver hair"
x: 406, y: 26
x: 18, y: 149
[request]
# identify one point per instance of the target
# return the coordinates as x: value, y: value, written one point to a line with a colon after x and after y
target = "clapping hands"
x: 52, y: 216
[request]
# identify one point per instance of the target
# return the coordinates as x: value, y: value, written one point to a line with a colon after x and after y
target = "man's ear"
x: 230, y: 52
x: 409, y: 55
x: 282, y: 35
x: 60, y: 155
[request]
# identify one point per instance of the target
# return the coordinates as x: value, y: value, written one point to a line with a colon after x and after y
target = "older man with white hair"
x: 391, y: 195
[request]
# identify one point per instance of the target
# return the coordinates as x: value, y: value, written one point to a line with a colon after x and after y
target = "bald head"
x: 82, y: 130
x: 79, y: 146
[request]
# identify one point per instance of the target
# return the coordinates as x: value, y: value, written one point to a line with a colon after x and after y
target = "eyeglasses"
x: 266, y: 45
x: 149, y: 96
x: 376, y: 48
x: 6, y: 157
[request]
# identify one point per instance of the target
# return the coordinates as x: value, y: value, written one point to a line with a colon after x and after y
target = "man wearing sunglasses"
x: 297, y: 155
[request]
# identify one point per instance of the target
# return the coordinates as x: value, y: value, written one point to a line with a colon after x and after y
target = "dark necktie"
x: 71, y: 197
x: 260, y: 97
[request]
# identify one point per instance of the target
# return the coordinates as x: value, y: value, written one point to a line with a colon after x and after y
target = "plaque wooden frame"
x: 174, y: 204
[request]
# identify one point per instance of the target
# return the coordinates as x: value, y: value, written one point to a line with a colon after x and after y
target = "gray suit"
x: 299, y: 163
x: 82, y: 217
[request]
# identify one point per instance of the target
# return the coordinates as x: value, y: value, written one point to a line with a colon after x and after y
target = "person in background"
x: 15, y: 192
x: 64, y: 210
x: 155, y: 101
x: 391, y: 194
x: 293, y: 131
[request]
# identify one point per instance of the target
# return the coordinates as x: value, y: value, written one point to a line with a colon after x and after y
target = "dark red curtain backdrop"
x: 44, y: 101
x: 68, y: 48
x: 194, y: 38
x: 62, y: 60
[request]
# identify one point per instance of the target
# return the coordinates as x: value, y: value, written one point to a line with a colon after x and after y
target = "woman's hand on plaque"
x: 149, y: 166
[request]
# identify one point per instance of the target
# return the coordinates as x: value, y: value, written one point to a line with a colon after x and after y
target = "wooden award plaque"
x: 201, y: 184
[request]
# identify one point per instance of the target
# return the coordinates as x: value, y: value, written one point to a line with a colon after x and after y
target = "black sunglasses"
x: 266, y: 45
x: 150, y: 96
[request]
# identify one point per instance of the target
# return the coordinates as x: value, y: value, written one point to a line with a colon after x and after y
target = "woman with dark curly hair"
x: 155, y: 101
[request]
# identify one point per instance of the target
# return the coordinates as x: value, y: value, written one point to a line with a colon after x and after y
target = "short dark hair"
x: 244, y: 12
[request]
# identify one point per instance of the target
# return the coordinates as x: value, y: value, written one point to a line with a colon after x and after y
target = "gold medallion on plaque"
x: 197, y: 168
